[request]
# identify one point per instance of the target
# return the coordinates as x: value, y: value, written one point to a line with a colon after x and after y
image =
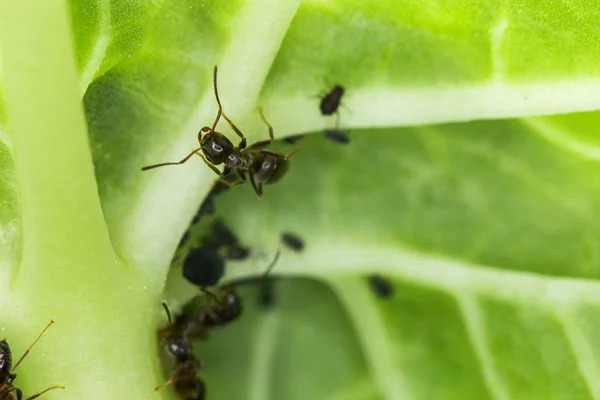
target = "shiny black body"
x: 380, y: 286
x: 253, y: 162
x: 7, y: 390
x: 330, y: 102
x: 203, y: 266
x: 292, y: 241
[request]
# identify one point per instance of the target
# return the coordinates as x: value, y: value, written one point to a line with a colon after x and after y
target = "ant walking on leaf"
x: 261, y: 166
x: 8, y: 391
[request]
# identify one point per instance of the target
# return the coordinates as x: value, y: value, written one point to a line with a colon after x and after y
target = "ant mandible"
x: 8, y: 391
x: 262, y: 166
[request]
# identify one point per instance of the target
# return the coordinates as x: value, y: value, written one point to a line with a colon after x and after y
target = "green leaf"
x: 486, y: 229
x: 489, y: 240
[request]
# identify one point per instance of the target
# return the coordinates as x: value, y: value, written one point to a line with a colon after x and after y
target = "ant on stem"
x: 183, y: 375
x: 8, y: 391
x: 262, y: 166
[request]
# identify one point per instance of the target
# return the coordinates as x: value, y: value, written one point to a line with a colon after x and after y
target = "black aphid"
x: 381, y: 287
x: 203, y: 266
x: 292, y: 241
x: 337, y: 136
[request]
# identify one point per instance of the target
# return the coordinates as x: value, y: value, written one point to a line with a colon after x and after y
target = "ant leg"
x: 279, y: 155
x: 167, y: 383
x: 257, y: 188
x: 242, y: 176
x: 292, y: 153
x: 30, y: 347
x: 35, y: 396
x: 263, y: 143
x: 172, y: 163
x: 231, y: 184
x: 235, y: 128
x: 210, y: 165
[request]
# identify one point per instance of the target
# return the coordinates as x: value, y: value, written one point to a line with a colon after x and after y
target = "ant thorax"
x: 239, y: 160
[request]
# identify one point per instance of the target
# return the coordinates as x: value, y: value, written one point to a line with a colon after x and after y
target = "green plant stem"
x: 101, y: 346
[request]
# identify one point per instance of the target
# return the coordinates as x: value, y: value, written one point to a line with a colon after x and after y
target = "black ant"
x: 262, y: 166
x: 227, y: 308
x: 183, y: 375
x: 8, y: 391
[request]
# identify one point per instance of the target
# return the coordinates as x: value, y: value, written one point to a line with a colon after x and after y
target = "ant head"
x: 215, y: 146
x: 235, y: 160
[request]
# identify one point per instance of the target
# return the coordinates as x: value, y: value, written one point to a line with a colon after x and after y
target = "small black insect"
x: 266, y: 294
x: 237, y: 252
x: 331, y: 101
x: 292, y: 241
x: 8, y: 391
x: 223, y: 235
x: 203, y: 266
x: 337, y: 136
x: 293, y: 139
x: 226, y: 309
x: 206, y: 208
x: 381, y: 287
x: 261, y: 166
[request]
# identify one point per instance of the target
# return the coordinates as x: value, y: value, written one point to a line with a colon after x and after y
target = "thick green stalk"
x: 101, y: 346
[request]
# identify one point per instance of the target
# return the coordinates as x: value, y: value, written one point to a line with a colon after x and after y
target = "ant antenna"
x: 35, y: 396
x: 167, y: 383
x: 209, y: 293
x: 30, y: 347
x: 164, y: 304
x: 173, y: 162
x: 217, y: 97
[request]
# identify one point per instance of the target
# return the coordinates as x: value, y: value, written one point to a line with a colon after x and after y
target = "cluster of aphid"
x: 204, y: 265
x: 8, y: 391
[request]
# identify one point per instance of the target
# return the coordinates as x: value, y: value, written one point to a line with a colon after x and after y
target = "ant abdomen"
x: 269, y: 167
